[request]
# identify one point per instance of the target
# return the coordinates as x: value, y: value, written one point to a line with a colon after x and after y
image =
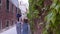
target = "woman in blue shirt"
x: 26, y: 28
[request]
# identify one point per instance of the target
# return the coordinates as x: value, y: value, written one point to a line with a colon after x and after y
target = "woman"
x: 18, y: 24
x: 26, y: 27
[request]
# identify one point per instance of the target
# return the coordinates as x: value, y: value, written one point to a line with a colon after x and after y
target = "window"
x: 7, y: 23
x: 0, y: 4
x: 0, y: 1
x: 12, y: 22
x: 16, y: 9
x: 19, y: 11
x: 7, y: 4
x: 12, y: 8
x: 0, y: 24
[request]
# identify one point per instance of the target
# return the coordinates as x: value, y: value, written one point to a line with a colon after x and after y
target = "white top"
x: 18, y: 22
x: 23, y: 5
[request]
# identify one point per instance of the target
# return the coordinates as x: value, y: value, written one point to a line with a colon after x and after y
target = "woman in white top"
x: 18, y: 24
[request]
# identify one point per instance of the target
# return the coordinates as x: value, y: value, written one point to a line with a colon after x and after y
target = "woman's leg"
x: 18, y: 28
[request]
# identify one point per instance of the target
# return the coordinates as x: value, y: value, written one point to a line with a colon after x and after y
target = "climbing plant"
x: 51, y: 19
x: 33, y: 11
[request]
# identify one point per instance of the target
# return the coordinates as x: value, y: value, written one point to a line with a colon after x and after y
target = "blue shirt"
x: 25, y: 28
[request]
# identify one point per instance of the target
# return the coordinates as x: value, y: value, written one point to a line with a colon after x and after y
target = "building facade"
x: 8, y: 13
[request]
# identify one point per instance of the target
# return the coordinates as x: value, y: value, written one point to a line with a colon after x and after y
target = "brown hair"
x: 25, y: 20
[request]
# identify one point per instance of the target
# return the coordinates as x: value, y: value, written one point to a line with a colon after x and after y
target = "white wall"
x: 15, y: 2
x: 24, y: 2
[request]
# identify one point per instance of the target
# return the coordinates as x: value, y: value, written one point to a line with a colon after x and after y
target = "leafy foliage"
x: 33, y: 12
x: 52, y: 18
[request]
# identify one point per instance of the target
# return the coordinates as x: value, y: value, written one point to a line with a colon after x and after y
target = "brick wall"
x: 7, y: 17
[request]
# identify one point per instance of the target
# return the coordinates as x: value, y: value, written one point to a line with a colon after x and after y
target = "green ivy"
x: 52, y: 18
